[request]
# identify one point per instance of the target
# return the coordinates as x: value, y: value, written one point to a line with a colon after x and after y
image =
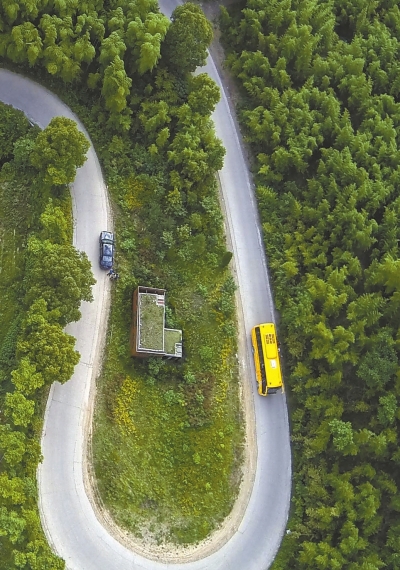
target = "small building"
x: 149, y: 337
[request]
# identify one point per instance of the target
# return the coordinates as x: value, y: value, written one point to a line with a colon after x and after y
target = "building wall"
x: 134, y: 328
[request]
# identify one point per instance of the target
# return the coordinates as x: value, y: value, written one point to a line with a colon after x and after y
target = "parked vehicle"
x: 106, y: 250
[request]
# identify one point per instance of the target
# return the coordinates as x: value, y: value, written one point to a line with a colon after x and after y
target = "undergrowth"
x: 167, y: 438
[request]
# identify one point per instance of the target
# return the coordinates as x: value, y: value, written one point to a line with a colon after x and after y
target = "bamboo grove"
x: 321, y: 113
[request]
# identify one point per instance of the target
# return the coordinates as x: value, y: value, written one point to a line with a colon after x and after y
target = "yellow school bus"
x: 266, y: 359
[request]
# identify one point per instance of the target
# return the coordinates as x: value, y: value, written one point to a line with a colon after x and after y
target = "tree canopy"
x: 48, y: 279
x: 150, y: 122
x: 321, y: 113
x: 187, y: 38
x: 58, y: 151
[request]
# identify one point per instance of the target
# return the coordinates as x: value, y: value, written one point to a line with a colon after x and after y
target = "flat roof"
x: 151, y: 320
x: 173, y: 342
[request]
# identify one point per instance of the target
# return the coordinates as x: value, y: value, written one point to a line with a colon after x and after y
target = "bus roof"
x: 270, y: 348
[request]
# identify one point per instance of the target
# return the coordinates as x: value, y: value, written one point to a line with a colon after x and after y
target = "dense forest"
x: 125, y: 69
x: 43, y: 282
x: 320, y: 108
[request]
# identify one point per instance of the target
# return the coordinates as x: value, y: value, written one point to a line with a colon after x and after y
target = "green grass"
x: 160, y: 471
x: 155, y: 470
x: 168, y: 437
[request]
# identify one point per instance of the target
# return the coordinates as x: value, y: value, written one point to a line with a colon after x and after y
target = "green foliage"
x: 226, y: 259
x: 194, y: 152
x: 342, y: 433
x: 150, y: 122
x: 204, y: 94
x: 12, y: 130
x: 378, y: 366
x: 23, y: 148
x: 19, y: 409
x: 34, y: 350
x: 59, y: 150
x: 171, y: 236
x: 63, y: 280
x: 8, y: 347
x: 23, y: 44
x: 387, y: 409
x: 25, y: 377
x: 116, y: 86
x: 187, y: 38
x: 192, y: 443
x: 12, y: 445
x: 44, y: 344
x: 320, y: 110
x: 145, y: 38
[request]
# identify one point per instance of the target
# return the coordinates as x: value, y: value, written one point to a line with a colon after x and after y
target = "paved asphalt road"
x: 69, y: 521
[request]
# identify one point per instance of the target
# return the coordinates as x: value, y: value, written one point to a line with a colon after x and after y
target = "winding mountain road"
x: 68, y: 518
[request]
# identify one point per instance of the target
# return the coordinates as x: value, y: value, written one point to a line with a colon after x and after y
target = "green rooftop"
x: 173, y: 337
x: 149, y: 337
x: 151, y: 325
